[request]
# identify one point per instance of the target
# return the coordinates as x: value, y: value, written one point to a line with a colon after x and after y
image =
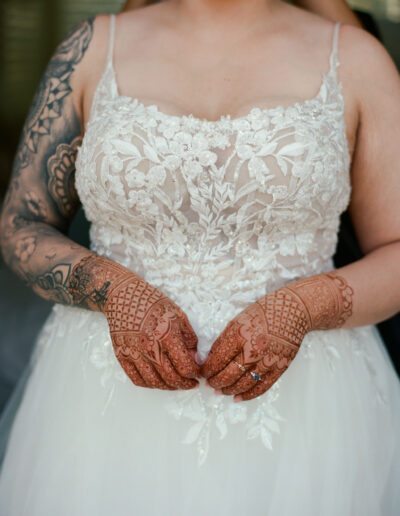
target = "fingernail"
x: 197, y: 386
x: 217, y: 391
x: 238, y: 398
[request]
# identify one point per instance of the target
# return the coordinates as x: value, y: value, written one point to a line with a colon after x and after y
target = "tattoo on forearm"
x: 90, y: 281
x: 54, y: 283
x: 84, y: 284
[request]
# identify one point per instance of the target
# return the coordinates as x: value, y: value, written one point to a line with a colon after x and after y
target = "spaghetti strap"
x: 107, y: 85
x: 111, y: 40
x: 334, y: 58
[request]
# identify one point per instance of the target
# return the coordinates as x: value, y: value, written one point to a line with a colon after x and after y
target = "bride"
x: 204, y: 356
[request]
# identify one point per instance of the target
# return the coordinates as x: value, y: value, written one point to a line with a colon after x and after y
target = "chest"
x: 277, y: 166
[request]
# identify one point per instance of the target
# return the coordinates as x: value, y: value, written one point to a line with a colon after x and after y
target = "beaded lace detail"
x: 216, y: 213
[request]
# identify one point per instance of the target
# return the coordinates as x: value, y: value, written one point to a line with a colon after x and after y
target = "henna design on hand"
x: 151, y: 335
x: 328, y: 299
x: 266, y: 336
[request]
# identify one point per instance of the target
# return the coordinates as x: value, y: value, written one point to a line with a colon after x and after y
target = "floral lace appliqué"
x: 206, y: 412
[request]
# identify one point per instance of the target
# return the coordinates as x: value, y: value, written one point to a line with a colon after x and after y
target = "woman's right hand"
x: 152, y: 336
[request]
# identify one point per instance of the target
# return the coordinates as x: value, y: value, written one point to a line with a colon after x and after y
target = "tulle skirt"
x: 323, y: 441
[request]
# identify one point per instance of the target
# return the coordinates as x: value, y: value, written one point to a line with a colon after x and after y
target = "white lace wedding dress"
x: 215, y: 214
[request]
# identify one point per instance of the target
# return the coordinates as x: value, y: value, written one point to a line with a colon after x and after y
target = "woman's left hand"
x: 259, y: 344
x: 263, y: 339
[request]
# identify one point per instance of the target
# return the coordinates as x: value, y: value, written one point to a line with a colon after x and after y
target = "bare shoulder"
x: 137, y: 22
x: 133, y: 26
x: 142, y: 19
x: 363, y: 58
x: 367, y: 73
x: 363, y: 49
x: 367, y: 66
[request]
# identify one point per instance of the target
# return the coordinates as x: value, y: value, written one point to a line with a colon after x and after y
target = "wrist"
x: 326, y: 298
x: 286, y: 316
x: 94, y: 279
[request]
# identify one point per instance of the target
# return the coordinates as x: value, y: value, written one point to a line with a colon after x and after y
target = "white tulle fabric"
x: 215, y: 214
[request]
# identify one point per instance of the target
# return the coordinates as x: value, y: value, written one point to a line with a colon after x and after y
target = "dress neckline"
x: 154, y: 108
x: 226, y: 119
x: 316, y: 103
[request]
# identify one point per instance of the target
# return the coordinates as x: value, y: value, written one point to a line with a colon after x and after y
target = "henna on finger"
x: 264, y: 370
x: 244, y: 383
x: 258, y: 388
x: 127, y: 349
x: 131, y: 370
x: 224, y: 349
x: 171, y: 377
x: 150, y: 374
x: 276, y: 358
x: 180, y: 357
x: 269, y: 377
x: 189, y: 337
x: 229, y: 375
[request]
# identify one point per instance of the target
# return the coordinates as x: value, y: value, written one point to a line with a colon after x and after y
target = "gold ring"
x: 240, y: 366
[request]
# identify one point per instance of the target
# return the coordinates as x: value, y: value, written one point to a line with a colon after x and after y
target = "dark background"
x: 30, y: 31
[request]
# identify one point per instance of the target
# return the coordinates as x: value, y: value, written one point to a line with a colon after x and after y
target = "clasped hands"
x: 156, y: 344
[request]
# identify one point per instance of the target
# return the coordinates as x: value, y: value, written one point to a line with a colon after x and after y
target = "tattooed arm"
x: 265, y: 337
x: 41, y: 199
x: 152, y: 336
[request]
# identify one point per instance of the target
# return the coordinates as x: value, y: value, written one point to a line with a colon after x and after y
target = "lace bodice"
x: 215, y: 213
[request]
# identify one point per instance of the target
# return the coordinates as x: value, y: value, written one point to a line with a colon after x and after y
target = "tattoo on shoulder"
x: 52, y: 91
